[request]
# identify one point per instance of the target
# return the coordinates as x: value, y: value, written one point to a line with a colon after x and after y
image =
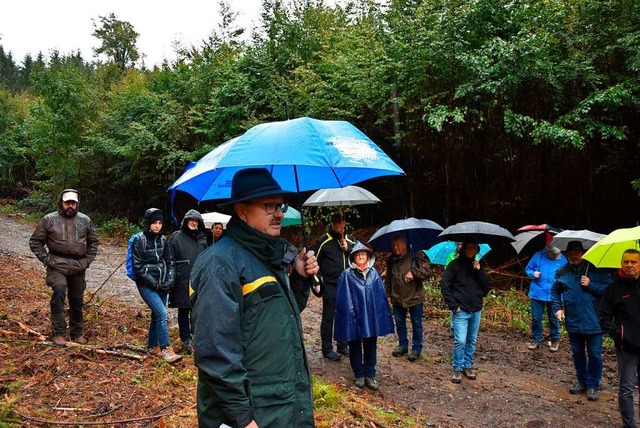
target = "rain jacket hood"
x: 361, y: 247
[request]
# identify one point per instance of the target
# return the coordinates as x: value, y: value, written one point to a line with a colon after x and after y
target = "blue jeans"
x: 628, y: 369
x: 400, y: 315
x: 465, y: 337
x: 158, y: 330
x: 363, y: 354
x: 537, y: 313
x: 588, y: 372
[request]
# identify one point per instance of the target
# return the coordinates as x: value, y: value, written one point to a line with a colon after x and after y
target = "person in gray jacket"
x: 66, y: 243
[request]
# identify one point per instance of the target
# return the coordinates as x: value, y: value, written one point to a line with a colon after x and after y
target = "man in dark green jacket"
x: 252, y: 366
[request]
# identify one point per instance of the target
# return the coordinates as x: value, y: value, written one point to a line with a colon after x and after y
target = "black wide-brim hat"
x: 253, y: 183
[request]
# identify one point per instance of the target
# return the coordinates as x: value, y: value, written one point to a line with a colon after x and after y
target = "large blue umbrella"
x: 439, y: 253
x: 301, y: 154
x: 418, y: 233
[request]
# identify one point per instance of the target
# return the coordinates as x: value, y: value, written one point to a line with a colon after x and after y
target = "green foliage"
x: 118, y: 40
x: 325, y: 395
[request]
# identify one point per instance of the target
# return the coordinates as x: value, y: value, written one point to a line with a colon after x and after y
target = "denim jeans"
x: 158, y: 330
x: 363, y: 354
x: 588, y: 366
x: 537, y: 313
x: 400, y: 315
x: 63, y: 286
x: 465, y: 337
x: 628, y: 369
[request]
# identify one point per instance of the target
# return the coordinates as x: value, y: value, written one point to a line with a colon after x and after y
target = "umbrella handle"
x: 317, y: 286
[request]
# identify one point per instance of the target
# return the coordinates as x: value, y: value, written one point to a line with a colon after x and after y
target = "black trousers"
x: 328, y: 313
x: 61, y: 285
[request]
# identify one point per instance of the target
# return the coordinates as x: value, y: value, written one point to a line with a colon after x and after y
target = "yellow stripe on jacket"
x: 252, y: 286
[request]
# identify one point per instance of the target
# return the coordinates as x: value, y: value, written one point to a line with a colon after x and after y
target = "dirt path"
x: 515, y: 387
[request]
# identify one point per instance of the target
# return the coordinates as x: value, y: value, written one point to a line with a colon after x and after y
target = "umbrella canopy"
x: 215, y: 217
x: 585, y: 237
x: 477, y: 231
x: 534, y: 238
x: 419, y: 234
x: 439, y: 253
x: 345, y: 196
x: 607, y: 252
x: 301, y: 154
x: 292, y: 218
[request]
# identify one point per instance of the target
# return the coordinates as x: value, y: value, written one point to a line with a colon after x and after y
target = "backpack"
x: 130, y: 273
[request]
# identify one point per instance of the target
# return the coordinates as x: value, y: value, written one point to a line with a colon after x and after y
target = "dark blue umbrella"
x: 301, y: 154
x: 418, y: 233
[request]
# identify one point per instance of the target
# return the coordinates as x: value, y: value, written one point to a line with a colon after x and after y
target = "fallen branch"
x: 31, y: 331
x: 121, y: 421
x: 98, y: 351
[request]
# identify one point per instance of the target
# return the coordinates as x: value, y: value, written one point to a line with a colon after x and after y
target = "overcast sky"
x: 32, y: 26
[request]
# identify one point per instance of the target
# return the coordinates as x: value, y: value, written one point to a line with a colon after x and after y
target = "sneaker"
x: 333, y: 356
x: 533, y: 346
x: 555, y: 345
x: 457, y: 377
x: 81, y: 340
x: 359, y: 382
x: 399, y: 352
x: 169, y: 356
x: 469, y: 373
x: 592, y: 394
x: 371, y: 383
x: 344, y: 351
x: 156, y: 352
x: 414, y: 356
x: 59, y: 341
x: 577, y: 388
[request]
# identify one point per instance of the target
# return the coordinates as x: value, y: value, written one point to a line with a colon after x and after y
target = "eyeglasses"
x: 272, y: 207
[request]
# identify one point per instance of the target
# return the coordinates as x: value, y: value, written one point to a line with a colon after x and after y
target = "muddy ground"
x: 515, y: 387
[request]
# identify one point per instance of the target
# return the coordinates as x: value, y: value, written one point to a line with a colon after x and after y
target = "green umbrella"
x: 607, y: 252
x: 292, y: 218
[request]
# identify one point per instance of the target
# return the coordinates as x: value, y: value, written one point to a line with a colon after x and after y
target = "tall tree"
x: 118, y: 41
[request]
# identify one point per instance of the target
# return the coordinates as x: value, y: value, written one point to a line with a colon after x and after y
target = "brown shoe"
x: 156, y: 352
x: 469, y: 373
x: 555, y: 345
x: 169, y: 356
x: 59, y: 341
x: 81, y: 340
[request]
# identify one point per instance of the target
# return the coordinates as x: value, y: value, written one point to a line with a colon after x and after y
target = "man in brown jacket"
x: 66, y: 243
x: 404, y: 287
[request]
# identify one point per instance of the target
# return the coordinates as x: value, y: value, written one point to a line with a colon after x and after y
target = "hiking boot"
x: 59, y: 341
x: 414, y: 356
x: 371, y: 383
x: 578, y: 388
x: 457, y: 377
x: 187, y: 348
x: 555, y: 345
x: 344, y: 351
x: 592, y: 394
x: 469, y: 373
x: 169, y: 356
x: 399, y: 352
x: 333, y: 356
x: 359, y: 382
x: 156, y: 352
x: 533, y: 346
x: 81, y: 340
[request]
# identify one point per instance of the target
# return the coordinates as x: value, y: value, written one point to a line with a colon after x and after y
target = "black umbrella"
x: 477, y: 231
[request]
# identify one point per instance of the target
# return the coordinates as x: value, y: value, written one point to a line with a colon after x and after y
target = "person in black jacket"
x: 154, y: 268
x: 332, y: 251
x: 186, y: 244
x: 620, y: 319
x: 464, y: 285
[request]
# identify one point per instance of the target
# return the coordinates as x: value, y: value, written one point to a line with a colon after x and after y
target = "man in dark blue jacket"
x: 579, y: 285
x: 620, y: 319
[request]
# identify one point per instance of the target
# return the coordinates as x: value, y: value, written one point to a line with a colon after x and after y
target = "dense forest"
x: 514, y: 112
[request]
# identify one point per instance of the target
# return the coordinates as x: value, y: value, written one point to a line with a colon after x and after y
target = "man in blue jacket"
x: 542, y: 270
x: 579, y: 285
x: 620, y: 319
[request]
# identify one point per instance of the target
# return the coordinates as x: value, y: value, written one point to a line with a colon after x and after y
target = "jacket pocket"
x: 272, y: 394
